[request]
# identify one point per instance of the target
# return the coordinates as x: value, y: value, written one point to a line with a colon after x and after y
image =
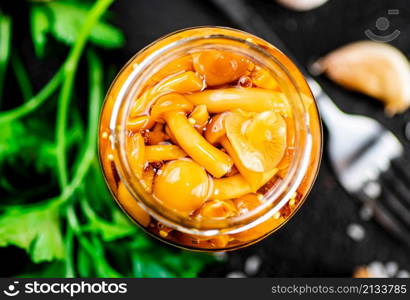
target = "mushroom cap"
x: 259, y: 139
x: 182, y: 185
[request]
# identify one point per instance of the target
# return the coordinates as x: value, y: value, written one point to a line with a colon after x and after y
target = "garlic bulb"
x: 301, y: 5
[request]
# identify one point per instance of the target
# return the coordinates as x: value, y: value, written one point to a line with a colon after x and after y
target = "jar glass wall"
x: 210, y: 139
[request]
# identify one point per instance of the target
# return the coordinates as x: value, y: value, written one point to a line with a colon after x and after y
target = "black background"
x: 260, y: 288
x: 314, y: 242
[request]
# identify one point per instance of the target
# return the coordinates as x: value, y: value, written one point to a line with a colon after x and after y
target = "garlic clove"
x: 375, y: 69
x: 301, y: 5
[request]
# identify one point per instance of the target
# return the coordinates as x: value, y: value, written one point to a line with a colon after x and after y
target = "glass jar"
x: 228, y: 217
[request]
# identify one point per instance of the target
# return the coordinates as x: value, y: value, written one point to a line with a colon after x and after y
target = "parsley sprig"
x: 56, y: 205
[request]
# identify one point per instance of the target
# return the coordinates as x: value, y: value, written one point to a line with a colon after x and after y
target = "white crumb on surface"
x: 366, y: 213
x: 356, y: 232
x: 403, y: 274
x: 236, y: 274
x: 391, y: 268
x: 377, y: 269
x: 372, y: 189
x: 252, y: 265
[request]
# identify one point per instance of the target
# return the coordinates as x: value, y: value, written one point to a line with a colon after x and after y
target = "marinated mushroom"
x: 188, y: 182
x: 163, y: 153
x: 247, y: 99
x: 216, y: 129
x: 130, y: 204
x: 207, y: 137
x: 220, y: 67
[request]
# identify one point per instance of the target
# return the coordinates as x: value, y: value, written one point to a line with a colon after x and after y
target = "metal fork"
x: 368, y: 161
x: 366, y: 157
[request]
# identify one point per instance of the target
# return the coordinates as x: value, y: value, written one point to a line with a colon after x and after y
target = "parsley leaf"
x: 9, y: 145
x: 26, y: 143
x: 111, y: 231
x: 153, y: 261
x: 97, y: 239
x: 64, y: 20
x: 5, y: 47
x: 45, y: 270
x: 35, y: 229
x: 40, y: 26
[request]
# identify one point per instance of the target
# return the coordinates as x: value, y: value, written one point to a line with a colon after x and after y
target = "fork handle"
x: 329, y: 112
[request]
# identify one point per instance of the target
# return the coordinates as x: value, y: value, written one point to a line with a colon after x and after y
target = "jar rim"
x: 283, y: 191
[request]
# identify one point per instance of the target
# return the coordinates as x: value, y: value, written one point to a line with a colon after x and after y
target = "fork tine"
x: 402, y: 167
x: 396, y: 183
x: 384, y: 217
x: 394, y: 204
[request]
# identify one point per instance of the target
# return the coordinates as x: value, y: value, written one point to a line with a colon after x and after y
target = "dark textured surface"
x: 314, y: 242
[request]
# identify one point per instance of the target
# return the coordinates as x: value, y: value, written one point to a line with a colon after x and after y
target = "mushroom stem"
x: 211, y: 158
x: 138, y: 123
x: 200, y: 115
x: 178, y: 65
x: 248, y: 99
x: 142, y: 104
x: 163, y: 152
x: 186, y: 82
x: 136, y: 150
x: 230, y: 187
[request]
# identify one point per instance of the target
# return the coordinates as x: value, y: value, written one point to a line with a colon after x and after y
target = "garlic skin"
x: 301, y: 5
x: 376, y: 69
